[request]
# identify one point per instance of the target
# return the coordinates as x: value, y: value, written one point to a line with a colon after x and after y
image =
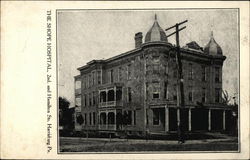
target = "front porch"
x: 166, y: 119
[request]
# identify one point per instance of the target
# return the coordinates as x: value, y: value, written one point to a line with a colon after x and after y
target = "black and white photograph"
x: 160, y: 80
x: 125, y: 80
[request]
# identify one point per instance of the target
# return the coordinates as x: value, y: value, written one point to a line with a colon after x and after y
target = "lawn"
x: 104, y: 145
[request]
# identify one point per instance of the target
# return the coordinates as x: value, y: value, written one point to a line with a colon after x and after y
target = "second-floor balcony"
x: 110, y: 97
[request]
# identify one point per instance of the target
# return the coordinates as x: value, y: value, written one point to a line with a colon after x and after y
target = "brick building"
x: 141, y: 85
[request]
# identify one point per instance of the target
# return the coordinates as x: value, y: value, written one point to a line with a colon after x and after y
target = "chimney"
x: 138, y: 39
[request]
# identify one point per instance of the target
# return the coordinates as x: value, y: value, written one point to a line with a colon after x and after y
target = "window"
x: 99, y: 77
x: 94, y: 98
x: 78, y: 101
x: 156, y: 90
x: 85, y: 100
x: 85, y: 118
x: 103, y: 96
x: 190, y: 94
x: 120, y: 74
x: 129, y: 94
x: 103, y: 118
x: 89, y: 80
x: 90, y: 119
x: 217, y: 95
x: 111, y: 95
x: 111, y: 118
x: 83, y: 83
x: 190, y: 72
x: 134, y: 117
x: 203, y: 95
x: 90, y: 102
x: 77, y: 84
x: 156, y: 95
x: 165, y: 90
x: 118, y: 93
x: 129, y: 118
x: 93, y: 78
x: 111, y: 76
x: 156, y: 68
x: 166, y: 69
x: 129, y: 71
x: 147, y: 117
x: 93, y: 118
x: 217, y: 74
x: 175, y: 92
x: 156, y: 59
x: 203, y: 73
x: 156, y: 117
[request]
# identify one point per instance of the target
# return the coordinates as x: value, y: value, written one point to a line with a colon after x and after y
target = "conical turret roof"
x: 212, y: 47
x: 156, y: 33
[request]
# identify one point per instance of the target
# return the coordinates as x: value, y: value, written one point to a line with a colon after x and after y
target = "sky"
x: 84, y: 35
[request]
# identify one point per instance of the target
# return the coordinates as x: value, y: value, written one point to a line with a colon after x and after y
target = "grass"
x: 89, y: 145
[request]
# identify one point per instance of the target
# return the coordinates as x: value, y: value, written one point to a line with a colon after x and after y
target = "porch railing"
x: 107, y: 127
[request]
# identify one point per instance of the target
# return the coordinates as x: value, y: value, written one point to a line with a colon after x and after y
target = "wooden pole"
x: 180, y: 86
x: 180, y: 91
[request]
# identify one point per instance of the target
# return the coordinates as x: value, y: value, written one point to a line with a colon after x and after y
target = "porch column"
x: 224, y: 120
x: 189, y: 119
x: 99, y: 97
x: 209, y: 119
x: 178, y: 117
x: 166, y: 119
x: 107, y: 120
x: 106, y: 95
x: 115, y: 93
x: 98, y: 120
x: 115, y: 117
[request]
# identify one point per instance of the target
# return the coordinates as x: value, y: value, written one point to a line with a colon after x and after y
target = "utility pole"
x: 180, y: 91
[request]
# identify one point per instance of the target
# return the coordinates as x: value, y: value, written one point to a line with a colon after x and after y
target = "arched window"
x: 111, y: 95
x: 118, y: 94
x: 103, y: 96
x: 103, y: 118
x: 111, y: 118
